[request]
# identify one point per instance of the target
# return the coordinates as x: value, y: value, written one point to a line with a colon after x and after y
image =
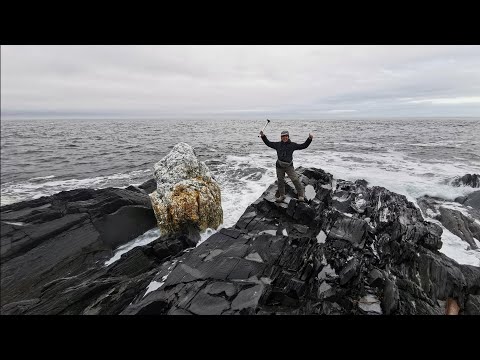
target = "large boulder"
x: 187, y: 198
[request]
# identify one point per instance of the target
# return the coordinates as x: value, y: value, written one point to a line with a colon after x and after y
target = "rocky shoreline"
x: 349, y: 249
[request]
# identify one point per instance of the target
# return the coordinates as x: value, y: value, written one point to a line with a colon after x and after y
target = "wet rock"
x: 65, y: 234
x: 324, y: 291
x: 302, y: 229
x: 219, y: 287
x: 471, y: 274
x: 148, y: 186
x: 472, y: 306
x: 204, y: 304
x: 464, y: 227
x: 370, y: 304
x: 390, y: 297
x: 17, y: 240
x: 463, y: 224
x: 231, y: 233
x: 472, y: 180
x: 19, y: 307
x: 342, y: 204
x: 361, y: 183
x: 376, y: 278
x: 254, y: 257
x: 175, y: 311
x: 359, y: 204
x: 329, y: 308
x: 430, y: 206
x: 460, y: 199
x: 350, y: 270
x: 305, y: 213
x: 473, y: 200
x: 124, y: 225
x: 349, y: 229
x: 248, y: 298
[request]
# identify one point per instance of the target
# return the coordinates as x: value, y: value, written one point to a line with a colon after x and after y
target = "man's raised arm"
x: 306, y: 143
x: 266, y: 141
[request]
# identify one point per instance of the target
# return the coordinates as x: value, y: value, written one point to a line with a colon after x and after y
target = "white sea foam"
x: 392, y: 170
x: 206, y: 234
x: 154, y: 285
x: 15, y: 223
x: 239, y: 191
x: 144, y: 239
x: 35, y: 188
x: 41, y: 178
x: 458, y: 250
x: 457, y: 207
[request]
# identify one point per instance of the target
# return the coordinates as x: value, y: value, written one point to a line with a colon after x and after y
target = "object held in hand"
x: 261, y: 132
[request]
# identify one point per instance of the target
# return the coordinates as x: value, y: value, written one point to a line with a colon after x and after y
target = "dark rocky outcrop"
x: 63, y: 235
x: 375, y: 256
x: 471, y: 200
x: 461, y: 223
x: 472, y: 180
x: 349, y: 249
x: 101, y: 290
x: 149, y: 186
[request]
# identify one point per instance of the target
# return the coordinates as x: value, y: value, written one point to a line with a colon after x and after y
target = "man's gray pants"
x: 293, y: 176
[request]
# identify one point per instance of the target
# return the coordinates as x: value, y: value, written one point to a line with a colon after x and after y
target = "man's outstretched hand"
x: 310, y: 136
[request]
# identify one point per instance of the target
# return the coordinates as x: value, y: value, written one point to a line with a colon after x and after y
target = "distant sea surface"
x: 413, y: 157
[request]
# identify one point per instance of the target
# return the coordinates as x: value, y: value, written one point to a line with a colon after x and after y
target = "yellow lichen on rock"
x: 187, y: 196
x: 194, y: 201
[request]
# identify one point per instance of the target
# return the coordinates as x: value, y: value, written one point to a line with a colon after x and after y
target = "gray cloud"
x: 240, y: 81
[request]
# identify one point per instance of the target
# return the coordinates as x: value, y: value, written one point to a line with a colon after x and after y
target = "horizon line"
x: 218, y: 117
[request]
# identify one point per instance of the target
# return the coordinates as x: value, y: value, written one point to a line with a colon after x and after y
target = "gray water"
x: 412, y: 157
x: 41, y: 157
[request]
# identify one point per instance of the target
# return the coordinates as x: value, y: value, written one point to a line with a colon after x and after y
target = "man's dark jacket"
x: 285, y: 149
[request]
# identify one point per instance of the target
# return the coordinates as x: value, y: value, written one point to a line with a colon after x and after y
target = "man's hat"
x: 285, y: 133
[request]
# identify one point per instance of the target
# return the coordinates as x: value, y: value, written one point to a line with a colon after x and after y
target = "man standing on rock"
x: 284, y: 164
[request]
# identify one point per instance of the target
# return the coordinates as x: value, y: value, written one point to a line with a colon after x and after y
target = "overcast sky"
x: 239, y: 81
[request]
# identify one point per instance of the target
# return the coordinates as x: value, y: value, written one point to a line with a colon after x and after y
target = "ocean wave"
x: 37, y: 187
x: 41, y: 178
